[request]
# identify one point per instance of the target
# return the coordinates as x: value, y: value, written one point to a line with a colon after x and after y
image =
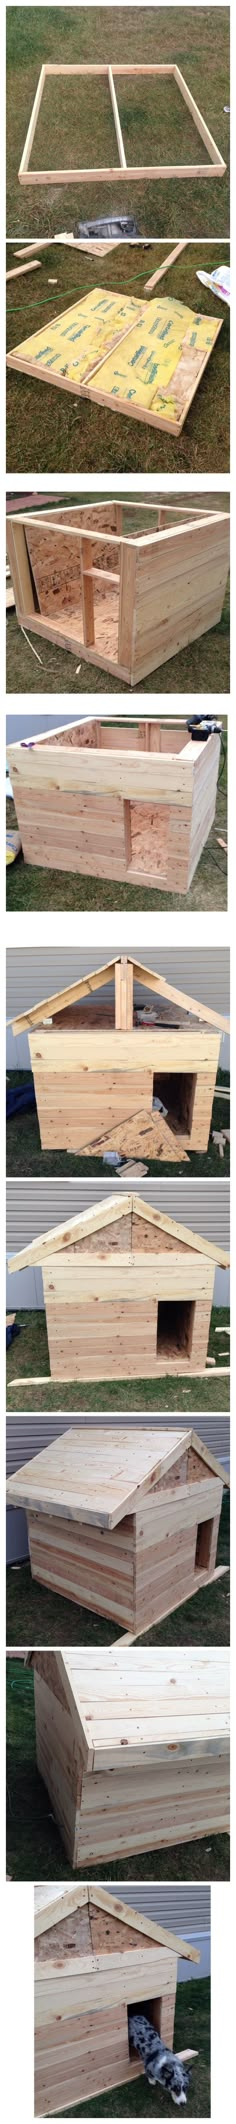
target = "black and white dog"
x: 160, y: 2064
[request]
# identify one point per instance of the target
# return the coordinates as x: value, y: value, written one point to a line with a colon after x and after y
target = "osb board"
x: 147, y: 359
x: 89, y: 1931
x: 56, y: 561
x: 97, y: 1487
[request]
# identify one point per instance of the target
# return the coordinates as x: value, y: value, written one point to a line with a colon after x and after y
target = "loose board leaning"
x: 143, y: 359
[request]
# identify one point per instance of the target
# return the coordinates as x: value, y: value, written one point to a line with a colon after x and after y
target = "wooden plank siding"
x: 155, y: 1770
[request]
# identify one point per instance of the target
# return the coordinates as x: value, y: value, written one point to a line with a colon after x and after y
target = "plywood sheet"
x: 95, y: 1483
x: 146, y: 358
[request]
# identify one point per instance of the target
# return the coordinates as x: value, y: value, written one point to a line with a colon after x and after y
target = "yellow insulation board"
x: 149, y: 355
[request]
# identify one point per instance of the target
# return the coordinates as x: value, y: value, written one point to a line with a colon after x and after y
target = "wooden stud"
x: 164, y: 268
x: 16, y: 271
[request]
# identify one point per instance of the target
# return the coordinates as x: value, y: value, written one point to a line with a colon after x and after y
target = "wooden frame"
x: 123, y: 374
x: 133, y: 1746
x: 92, y: 1954
x: 126, y: 1304
x: 124, y: 1524
x: 120, y: 172
x: 128, y: 602
x: 90, y: 1109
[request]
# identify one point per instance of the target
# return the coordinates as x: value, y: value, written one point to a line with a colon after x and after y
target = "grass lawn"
x: 50, y: 430
x: 77, y: 123
x: 137, y: 2099
x: 25, y: 1157
x: 29, y: 1355
x: 29, y: 888
x: 35, y: 1616
x: 34, y: 1847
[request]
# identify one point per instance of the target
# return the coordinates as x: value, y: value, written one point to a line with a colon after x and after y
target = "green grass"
x: 34, y: 1847
x: 137, y: 2099
x: 29, y: 888
x: 36, y: 1616
x: 67, y: 434
x: 29, y: 1355
x: 155, y: 119
x: 25, y: 1157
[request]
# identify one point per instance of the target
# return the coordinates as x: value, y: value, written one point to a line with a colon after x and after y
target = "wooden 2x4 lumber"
x: 16, y: 271
x: 198, y: 121
x: 73, y: 994
x: 181, y: 1231
x: 177, y: 995
x: 124, y: 995
x: 77, y: 1227
x: 164, y: 268
x: 120, y: 142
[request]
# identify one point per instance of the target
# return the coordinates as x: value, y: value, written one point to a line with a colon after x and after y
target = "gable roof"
x: 101, y: 1488
x: 53, y: 1904
x: 109, y: 1212
x: 50, y: 1005
x: 129, y: 1706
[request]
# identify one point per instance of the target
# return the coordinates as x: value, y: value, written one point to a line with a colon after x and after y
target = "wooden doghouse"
x: 94, y: 1957
x: 133, y: 1747
x: 132, y: 804
x: 101, y: 1067
x: 124, y: 1522
x: 128, y: 1292
x: 125, y: 599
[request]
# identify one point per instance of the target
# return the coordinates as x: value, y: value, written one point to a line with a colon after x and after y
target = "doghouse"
x: 128, y: 1292
x: 123, y: 598
x: 124, y: 1522
x: 101, y: 1067
x: 133, y: 1747
x: 132, y: 804
x: 94, y: 1957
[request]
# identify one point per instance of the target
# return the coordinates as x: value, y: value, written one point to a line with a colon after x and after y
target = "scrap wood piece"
x: 154, y: 1136
x: 164, y: 268
x: 16, y: 271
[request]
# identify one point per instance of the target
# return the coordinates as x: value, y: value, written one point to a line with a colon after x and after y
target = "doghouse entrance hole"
x: 153, y: 2011
x: 176, y: 1092
x: 175, y: 1327
x: 203, y: 1544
